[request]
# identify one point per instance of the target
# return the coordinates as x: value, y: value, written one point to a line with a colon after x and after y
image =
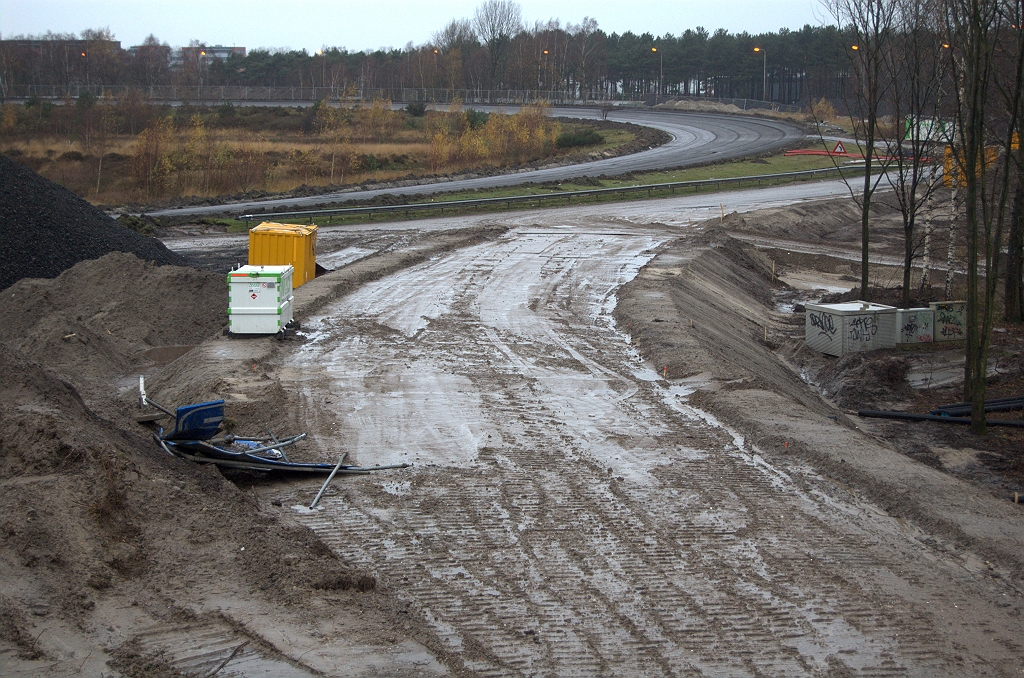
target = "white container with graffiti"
x: 838, y: 329
x: 915, y: 326
x: 950, y: 320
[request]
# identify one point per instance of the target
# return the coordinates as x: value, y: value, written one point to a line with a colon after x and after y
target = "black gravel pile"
x: 46, y: 229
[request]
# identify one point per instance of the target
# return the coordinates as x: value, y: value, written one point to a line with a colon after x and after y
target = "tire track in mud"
x: 566, y: 515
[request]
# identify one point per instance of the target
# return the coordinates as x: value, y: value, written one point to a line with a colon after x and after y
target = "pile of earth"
x: 701, y: 307
x: 826, y: 221
x: 703, y: 106
x: 46, y: 229
x: 98, y: 528
x: 871, y: 381
x: 102, y: 318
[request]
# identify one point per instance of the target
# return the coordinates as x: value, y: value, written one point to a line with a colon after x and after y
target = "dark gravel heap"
x: 46, y: 229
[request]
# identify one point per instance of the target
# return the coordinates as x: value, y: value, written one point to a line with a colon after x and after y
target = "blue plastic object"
x: 199, y: 421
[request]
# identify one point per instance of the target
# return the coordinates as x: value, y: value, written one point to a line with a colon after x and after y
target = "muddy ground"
x: 625, y: 462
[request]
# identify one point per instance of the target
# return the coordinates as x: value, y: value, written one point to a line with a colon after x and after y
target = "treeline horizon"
x: 491, y: 51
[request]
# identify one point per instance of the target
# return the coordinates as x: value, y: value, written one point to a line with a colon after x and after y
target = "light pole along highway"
x: 764, y: 71
x: 661, y: 74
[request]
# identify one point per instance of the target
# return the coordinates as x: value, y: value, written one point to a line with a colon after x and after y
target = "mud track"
x: 574, y: 508
x: 571, y: 511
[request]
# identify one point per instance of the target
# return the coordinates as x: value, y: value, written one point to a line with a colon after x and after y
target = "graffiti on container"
x: 862, y: 328
x: 916, y: 328
x: 825, y: 324
x: 949, y: 321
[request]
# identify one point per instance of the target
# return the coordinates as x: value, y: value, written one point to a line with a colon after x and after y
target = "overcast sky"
x: 369, y: 24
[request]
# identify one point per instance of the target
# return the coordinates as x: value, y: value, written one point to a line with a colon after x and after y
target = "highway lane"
x: 696, y: 138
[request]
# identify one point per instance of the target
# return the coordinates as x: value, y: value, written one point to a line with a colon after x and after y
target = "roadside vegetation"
x: 660, y: 183
x: 131, y: 150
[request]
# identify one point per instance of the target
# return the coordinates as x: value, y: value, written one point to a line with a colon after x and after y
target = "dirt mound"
x: 703, y: 106
x: 46, y: 229
x: 827, y: 220
x: 701, y: 307
x: 866, y: 381
x: 94, y: 519
x: 97, y: 319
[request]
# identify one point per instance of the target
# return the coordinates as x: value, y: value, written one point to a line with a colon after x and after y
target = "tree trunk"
x: 908, y: 258
x: 926, y: 255
x: 951, y: 249
x: 1015, y: 258
x: 99, y: 173
x: 866, y: 210
x: 974, y: 365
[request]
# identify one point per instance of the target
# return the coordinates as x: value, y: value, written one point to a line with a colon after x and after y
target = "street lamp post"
x: 547, y: 76
x: 661, y: 73
x: 764, y: 71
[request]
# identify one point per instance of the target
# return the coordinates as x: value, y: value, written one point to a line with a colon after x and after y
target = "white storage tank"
x: 259, y: 299
x: 849, y: 327
x: 915, y: 326
x: 950, y: 320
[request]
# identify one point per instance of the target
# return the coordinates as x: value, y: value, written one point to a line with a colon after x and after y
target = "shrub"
x: 136, y: 224
x: 822, y: 110
x: 476, y: 118
x: 416, y: 109
x: 574, y: 138
x: 226, y: 112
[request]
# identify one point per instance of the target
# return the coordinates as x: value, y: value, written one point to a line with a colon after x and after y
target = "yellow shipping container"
x: 273, y: 244
x: 951, y: 171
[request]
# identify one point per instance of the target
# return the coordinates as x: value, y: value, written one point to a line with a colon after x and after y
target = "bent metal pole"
x: 328, y: 481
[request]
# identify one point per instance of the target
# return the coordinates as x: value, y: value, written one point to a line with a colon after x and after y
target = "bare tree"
x: 104, y: 131
x: 585, y: 39
x: 453, y: 44
x: 869, y: 23
x: 913, y: 68
x: 987, y: 112
x: 458, y: 34
x: 152, y: 61
x: 496, y: 22
x: 1014, y: 297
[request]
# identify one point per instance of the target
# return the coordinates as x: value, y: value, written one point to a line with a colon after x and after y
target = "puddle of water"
x: 927, y: 375
x: 335, y: 260
x: 162, y: 355
x: 784, y: 307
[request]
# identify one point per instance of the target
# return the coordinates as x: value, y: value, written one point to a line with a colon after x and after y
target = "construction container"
x: 259, y: 299
x: 838, y: 329
x: 915, y: 326
x: 950, y: 320
x: 273, y: 244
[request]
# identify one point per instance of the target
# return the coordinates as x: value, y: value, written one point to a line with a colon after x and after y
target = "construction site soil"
x: 117, y: 559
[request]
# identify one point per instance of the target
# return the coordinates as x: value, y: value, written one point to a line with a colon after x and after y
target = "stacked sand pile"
x: 46, y: 229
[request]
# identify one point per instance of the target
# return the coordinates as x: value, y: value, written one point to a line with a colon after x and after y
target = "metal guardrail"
x: 562, y: 195
x: 218, y: 94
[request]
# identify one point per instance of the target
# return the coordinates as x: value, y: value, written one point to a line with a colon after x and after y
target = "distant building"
x: 205, y: 54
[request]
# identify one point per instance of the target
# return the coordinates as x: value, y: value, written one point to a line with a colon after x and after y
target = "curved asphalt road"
x: 696, y: 138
